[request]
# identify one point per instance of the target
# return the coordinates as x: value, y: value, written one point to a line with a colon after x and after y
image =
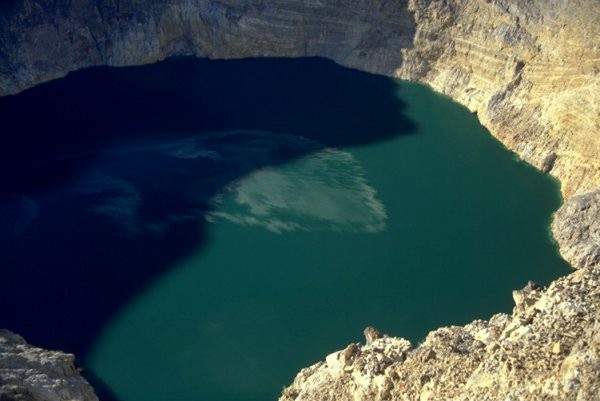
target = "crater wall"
x: 530, y: 69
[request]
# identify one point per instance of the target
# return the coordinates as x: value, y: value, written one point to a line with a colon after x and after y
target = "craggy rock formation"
x: 28, y: 373
x: 576, y: 227
x: 530, y: 69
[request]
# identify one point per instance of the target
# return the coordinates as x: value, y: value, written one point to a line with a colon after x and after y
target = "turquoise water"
x: 221, y: 259
x: 406, y: 235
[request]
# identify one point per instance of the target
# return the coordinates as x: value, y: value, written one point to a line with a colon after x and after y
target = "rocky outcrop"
x: 28, y: 373
x: 530, y: 69
x: 576, y: 227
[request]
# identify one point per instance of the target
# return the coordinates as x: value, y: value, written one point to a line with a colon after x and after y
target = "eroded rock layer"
x: 530, y: 69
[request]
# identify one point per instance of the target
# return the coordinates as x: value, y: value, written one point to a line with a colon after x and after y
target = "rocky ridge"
x: 528, y: 68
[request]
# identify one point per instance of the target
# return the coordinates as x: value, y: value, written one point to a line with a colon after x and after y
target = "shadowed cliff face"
x: 71, y: 35
x: 59, y: 133
x: 95, y: 108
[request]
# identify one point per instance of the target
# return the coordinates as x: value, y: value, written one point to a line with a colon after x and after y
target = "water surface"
x: 201, y: 230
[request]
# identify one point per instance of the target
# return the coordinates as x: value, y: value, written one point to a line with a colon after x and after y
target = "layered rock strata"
x: 28, y: 373
x: 530, y: 69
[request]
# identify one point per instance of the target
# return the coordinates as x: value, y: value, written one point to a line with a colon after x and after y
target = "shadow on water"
x: 67, y: 270
x: 89, y: 109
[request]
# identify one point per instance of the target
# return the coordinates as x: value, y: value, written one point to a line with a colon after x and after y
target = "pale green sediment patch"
x: 326, y: 190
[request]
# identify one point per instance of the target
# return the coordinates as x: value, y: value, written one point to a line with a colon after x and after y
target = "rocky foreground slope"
x: 530, y: 69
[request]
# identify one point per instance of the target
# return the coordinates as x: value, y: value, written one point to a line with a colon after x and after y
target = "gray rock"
x: 371, y: 334
x: 28, y: 373
x: 576, y: 228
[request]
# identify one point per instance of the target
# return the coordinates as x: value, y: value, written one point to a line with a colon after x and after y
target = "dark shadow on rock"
x: 66, y: 270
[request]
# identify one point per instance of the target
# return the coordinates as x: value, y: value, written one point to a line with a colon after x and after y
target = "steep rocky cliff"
x: 530, y: 69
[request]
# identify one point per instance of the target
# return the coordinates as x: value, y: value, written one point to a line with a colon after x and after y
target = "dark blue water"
x: 201, y: 230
